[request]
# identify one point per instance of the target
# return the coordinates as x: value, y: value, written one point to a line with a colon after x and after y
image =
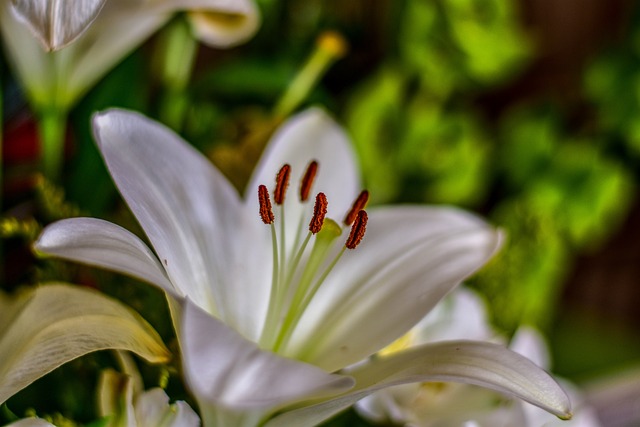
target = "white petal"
x: 224, y: 30
x: 32, y: 64
x: 59, y: 323
x: 150, y: 407
x: 63, y: 76
x: 193, y: 217
x: 531, y: 344
x: 221, y: 23
x: 103, y: 244
x: 183, y: 416
x: 447, y: 404
x: 153, y: 410
x: 409, y: 259
x: 461, y: 315
x: 583, y: 414
x: 224, y: 369
x: 57, y: 23
x: 389, y: 405
x: 310, y: 135
x: 483, y: 364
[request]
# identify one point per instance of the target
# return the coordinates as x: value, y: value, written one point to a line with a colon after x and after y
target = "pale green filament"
x: 294, y: 265
x: 283, y: 243
x: 299, y: 230
x: 268, y: 333
x: 306, y: 287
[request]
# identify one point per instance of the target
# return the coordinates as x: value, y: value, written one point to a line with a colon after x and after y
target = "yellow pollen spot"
x: 400, y: 344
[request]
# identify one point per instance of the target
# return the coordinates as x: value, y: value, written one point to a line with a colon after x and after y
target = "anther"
x: 359, y: 204
x: 357, y: 230
x: 319, y: 212
x: 282, y: 182
x: 266, y: 213
x: 307, y: 180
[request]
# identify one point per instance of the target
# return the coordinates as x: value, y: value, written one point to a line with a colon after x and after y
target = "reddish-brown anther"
x: 319, y: 212
x: 307, y: 180
x: 357, y: 230
x: 359, y: 204
x: 282, y: 182
x: 266, y: 213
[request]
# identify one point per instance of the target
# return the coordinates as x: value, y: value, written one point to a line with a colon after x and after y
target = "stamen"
x: 358, y: 205
x: 306, y: 286
x: 282, y: 182
x: 357, y: 231
x: 266, y: 213
x: 307, y: 180
x: 319, y: 212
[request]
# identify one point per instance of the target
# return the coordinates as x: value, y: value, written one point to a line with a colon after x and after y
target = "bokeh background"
x: 525, y: 111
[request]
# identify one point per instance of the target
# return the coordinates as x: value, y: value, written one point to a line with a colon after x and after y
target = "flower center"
x: 301, y: 271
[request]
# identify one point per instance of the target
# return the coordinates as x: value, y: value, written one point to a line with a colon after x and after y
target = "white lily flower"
x: 531, y: 344
x: 48, y: 326
x: 57, y: 23
x: 461, y: 315
x: 460, y: 405
x: 129, y: 407
x: 269, y: 317
x: 103, y: 32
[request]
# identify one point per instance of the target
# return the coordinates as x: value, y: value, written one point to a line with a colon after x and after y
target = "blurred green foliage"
x: 612, y: 84
x: 422, y: 137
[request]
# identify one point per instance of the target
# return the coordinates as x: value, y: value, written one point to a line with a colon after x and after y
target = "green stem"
x: 175, y: 55
x: 52, y: 129
x: 330, y: 47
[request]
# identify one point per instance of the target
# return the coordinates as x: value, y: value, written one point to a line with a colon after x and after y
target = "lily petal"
x: 59, y: 323
x: 61, y: 77
x: 220, y: 23
x: 224, y: 369
x: 193, y: 217
x: 152, y: 409
x: 531, y: 344
x: 310, y: 135
x: 57, y: 23
x: 103, y: 244
x: 462, y: 315
x: 409, y: 259
x: 10, y: 308
x: 483, y: 364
